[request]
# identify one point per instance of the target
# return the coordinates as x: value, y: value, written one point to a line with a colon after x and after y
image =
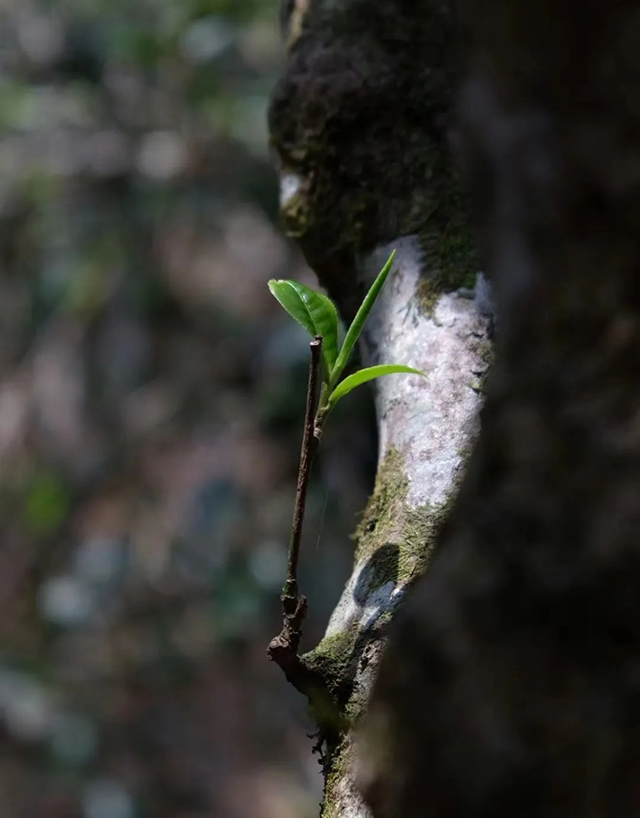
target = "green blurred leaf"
x: 46, y: 503
x: 314, y: 311
x: 359, y: 321
x: 364, y: 375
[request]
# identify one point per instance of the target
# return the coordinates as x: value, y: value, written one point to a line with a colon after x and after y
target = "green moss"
x: 451, y: 262
x: 334, y: 660
x: 388, y: 521
x: 335, y: 774
x: 419, y: 531
x: 381, y: 515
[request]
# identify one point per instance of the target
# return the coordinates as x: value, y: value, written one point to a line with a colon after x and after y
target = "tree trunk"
x: 360, y: 125
x: 509, y: 682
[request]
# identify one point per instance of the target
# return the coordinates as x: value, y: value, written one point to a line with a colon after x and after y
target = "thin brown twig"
x: 283, y: 649
x: 306, y: 457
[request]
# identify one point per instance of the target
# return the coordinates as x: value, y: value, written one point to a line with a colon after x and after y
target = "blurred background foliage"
x: 151, y: 395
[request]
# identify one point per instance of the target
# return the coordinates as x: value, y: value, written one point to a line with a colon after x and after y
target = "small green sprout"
x: 318, y: 315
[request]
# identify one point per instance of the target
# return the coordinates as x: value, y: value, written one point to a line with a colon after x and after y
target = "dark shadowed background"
x: 151, y: 394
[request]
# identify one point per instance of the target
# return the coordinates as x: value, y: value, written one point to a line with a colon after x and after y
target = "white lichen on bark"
x: 430, y: 422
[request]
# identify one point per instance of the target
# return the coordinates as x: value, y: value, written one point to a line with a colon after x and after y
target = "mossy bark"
x: 361, y: 126
x: 360, y: 123
x: 393, y: 545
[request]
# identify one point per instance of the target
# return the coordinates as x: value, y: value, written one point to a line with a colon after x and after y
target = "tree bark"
x: 360, y: 126
x: 509, y: 682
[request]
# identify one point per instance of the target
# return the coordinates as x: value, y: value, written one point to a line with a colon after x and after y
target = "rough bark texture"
x: 426, y: 429
x: 360, y: 125
x: 510, y: 686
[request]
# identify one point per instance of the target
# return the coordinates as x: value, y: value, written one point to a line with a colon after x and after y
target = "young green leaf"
x: 314, y: 311
x: 355, y: 329
x: 364, y: 375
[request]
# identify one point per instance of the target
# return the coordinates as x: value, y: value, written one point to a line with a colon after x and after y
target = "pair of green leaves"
x: 318, y: 315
